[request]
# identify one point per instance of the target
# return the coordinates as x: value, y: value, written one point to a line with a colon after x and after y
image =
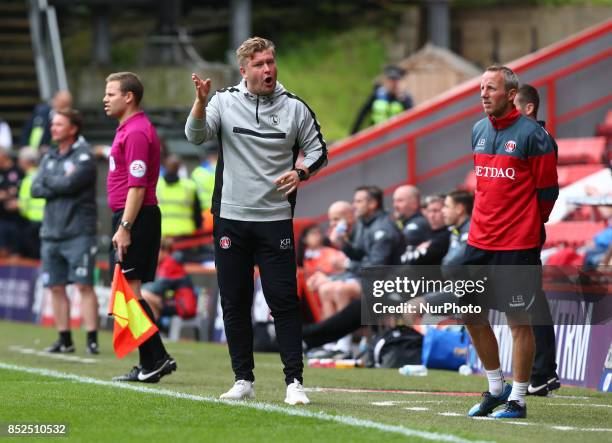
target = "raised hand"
x: 202, y: 88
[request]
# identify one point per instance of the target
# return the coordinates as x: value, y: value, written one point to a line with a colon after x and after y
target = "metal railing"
x: 47, y: 48
x: 430, y: 145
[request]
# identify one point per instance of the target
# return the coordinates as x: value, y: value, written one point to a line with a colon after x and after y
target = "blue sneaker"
x: 490, y: 402
x: 512, y: 410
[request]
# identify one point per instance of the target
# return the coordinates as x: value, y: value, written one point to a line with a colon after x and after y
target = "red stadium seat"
x: 589, y: 150
x: 605, y: 128
x: 570, y: 174
x: 469, y: 184
x: 312, y: 299
x: 572, y: 233
x: 299, y: 224
x: 565, y: 257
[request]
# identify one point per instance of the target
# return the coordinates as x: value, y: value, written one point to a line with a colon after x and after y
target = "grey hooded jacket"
x: 68, y: 183
x: 260, y: 138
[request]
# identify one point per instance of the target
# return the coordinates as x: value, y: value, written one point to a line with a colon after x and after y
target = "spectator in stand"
x: 66, y: 179
x: 387, y: 100
x: 6, y: 137
x: 544, y: 378
x: 170, y: 277
x: 30, y: 208
x: 10, y: 219
x: 376, y: 239
x: 457, y: 213
x: 178, y: 201
x: 408, y: 216
x: 323, y: 269
x: 432, y: 250
x: 314, y: 256
x: 337, y: 291
x: 37, y: 130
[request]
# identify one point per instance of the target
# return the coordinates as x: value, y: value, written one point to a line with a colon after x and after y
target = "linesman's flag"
x: 132, y: 325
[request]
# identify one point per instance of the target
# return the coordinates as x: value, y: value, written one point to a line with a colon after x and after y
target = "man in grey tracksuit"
x: 260, y: 128
x: 66, y: 178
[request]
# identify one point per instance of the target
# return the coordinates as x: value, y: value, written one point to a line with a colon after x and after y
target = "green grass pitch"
x: 37, y: 388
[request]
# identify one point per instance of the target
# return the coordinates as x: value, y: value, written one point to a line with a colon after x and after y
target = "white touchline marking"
x: 399, y: 402
x: 416, y: 409
x: 596, y: 429
x: 64, y: 357
x: 594, y: 405
x: 451, y: 414
x: 522, y: 423
x: 569, y: 397
x: 564, y: 428
x: 342, y: 419
x: 384, y: 403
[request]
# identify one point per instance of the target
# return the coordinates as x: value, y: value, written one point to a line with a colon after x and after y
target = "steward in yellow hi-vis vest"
x: 178, y: 201
x: 387, y: 100
x: 204, y: 177
x: 30, y: 208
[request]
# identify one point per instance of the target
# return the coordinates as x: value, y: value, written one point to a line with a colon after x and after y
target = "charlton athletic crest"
x: 225, y: 242
x: 510, y: 146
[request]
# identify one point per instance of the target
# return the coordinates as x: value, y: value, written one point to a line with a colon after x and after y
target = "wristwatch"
x: 126, y: 225
x: 302, y: 175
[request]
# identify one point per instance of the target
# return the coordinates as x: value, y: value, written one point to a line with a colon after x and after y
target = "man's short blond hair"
x: 250, y: 46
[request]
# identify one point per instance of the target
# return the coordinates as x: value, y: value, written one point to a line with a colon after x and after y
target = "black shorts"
x: 140, y: 263
x: 513, y: 278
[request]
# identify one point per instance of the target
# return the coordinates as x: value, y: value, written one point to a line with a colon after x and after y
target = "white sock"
x: 496, y: 381
x: 519, y: 390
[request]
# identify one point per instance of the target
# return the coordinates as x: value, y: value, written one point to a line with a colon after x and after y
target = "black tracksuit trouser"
x: 239, y: 245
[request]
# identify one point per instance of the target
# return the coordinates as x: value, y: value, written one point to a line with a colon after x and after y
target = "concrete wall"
x: 520, y: 29
x: 164, y: 85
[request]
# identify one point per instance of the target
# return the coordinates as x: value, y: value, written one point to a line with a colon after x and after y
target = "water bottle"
x: 413, y: 370
x: 341, y: 227
x: 465, y: 370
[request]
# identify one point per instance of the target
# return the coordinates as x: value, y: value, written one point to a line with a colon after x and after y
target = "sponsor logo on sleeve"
x: 285, y: 243
x: 83, y: 157
x: 481, y: 144
x: 111, y: 163
x: 138, y: 168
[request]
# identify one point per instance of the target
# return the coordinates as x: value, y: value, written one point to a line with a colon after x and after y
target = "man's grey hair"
x: 511, y: 80
x: 28, y: 154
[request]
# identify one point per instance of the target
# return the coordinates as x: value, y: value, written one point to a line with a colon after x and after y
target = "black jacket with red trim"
x: 516, y: 182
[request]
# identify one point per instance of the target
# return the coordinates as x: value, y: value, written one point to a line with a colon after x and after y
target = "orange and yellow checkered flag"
x: 132, y: 325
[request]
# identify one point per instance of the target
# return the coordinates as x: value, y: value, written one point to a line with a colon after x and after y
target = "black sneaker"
x: 92, y: 348
x: 170, y: 368
x: 543, y: 388
x: 490, y: 402
x: 60, y: 348
x: 512, y: 410
x: 133, y: 376
x: 161, y: 367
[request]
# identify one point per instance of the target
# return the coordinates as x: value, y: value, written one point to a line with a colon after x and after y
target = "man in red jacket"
x: 516, y: 187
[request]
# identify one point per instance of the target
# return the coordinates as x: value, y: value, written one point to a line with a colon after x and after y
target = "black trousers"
x: 335, y: 327
x: 239, y: 245
x: 544, y: 362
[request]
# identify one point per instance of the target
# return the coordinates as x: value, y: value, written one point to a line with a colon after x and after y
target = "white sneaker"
x: 296, y: 394
x: 242, y: 389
